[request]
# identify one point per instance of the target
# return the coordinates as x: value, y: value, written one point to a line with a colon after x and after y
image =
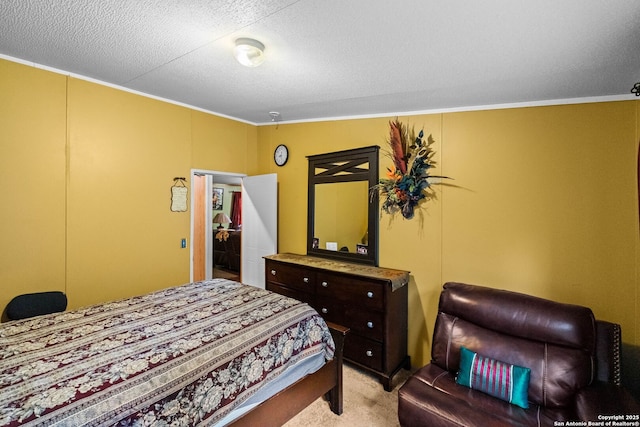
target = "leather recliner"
x: 574, y: 361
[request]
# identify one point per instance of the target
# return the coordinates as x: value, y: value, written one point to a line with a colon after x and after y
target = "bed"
x: 206, y: 353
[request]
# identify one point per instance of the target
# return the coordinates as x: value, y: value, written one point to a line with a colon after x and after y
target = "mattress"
x: 196, y: 354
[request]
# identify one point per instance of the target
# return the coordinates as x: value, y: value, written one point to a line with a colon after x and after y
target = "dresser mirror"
x: 342, y: 218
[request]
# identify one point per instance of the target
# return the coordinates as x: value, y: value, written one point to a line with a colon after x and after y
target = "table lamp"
x: 220, y: 218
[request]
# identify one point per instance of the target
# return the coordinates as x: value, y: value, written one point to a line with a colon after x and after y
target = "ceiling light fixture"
x: 275, y: 116
x: 249, y: 52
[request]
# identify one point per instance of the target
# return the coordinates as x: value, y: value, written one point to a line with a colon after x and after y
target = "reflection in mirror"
x: 341, y: 210
x: 343, y: 213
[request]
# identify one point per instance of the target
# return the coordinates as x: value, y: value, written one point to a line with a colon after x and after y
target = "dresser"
x: 371, y: 301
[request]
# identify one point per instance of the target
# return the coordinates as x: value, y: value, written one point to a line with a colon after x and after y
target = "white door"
x: 259, y: 225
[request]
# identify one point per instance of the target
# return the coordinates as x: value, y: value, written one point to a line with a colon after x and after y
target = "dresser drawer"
x: 363, y: 351
x: 367, y: 323
x: 291, y: 276
x: 351, y: 290
x: 331, y: 311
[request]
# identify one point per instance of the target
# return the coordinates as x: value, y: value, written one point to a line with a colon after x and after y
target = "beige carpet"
x: 365, y: 403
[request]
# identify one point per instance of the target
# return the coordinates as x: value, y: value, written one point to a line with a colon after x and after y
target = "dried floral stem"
x: 408, y: 179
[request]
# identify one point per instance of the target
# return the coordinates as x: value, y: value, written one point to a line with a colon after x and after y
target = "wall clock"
x: 281, y: 155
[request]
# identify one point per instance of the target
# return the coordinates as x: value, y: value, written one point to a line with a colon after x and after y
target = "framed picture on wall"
x: 216, y: 199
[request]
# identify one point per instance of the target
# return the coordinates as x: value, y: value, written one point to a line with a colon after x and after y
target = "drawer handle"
x: 370, y: 325
x: 273, y: 272
x: 325, y: 284
x: 305, y: 280
x: 324, y: 310
x: 369, y: 353
x: 369, y: 294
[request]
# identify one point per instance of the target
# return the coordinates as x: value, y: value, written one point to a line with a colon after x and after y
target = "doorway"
x: 215, y: 248
x: 258, y: 234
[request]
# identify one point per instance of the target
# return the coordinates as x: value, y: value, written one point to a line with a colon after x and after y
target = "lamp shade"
x: 221, y: 218
x: 249, y: 52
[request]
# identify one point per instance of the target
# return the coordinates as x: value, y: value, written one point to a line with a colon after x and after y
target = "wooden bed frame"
x: 283, y: 406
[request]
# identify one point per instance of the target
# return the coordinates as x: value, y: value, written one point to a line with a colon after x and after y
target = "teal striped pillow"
x: 499, y: 379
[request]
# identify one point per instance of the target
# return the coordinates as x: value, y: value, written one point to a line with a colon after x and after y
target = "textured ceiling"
x: 336, y: 58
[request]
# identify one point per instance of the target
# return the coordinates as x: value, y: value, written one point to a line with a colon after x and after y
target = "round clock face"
x: 281, y: 155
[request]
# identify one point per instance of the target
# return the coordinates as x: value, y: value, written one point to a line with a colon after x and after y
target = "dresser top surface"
x: 397, y: 278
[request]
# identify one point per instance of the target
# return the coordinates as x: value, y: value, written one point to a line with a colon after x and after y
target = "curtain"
x: 236, y: 210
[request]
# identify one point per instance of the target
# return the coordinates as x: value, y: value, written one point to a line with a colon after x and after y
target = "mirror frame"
x: 342, y: 166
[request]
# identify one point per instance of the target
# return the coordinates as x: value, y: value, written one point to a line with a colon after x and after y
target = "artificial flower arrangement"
x: 408, y: 178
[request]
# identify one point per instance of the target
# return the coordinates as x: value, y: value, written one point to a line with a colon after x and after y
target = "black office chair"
x: 30, y: 305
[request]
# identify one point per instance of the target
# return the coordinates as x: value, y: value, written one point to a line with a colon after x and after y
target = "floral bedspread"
x: 181, y: 356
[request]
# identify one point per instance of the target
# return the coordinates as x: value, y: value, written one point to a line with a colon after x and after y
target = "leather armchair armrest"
x: 608, y: 352
x: 601, y: 399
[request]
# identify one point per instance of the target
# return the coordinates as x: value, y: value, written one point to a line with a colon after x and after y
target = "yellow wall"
x: 88, y: 171
x: 223, y: 145
x: 32, y: 172
x: 551, y: 209
x: 543, y: 201
x: 124, y: 152
x: 304, y: 140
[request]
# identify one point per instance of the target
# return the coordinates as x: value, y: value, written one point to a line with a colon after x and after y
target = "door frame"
x: 225, y: 176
